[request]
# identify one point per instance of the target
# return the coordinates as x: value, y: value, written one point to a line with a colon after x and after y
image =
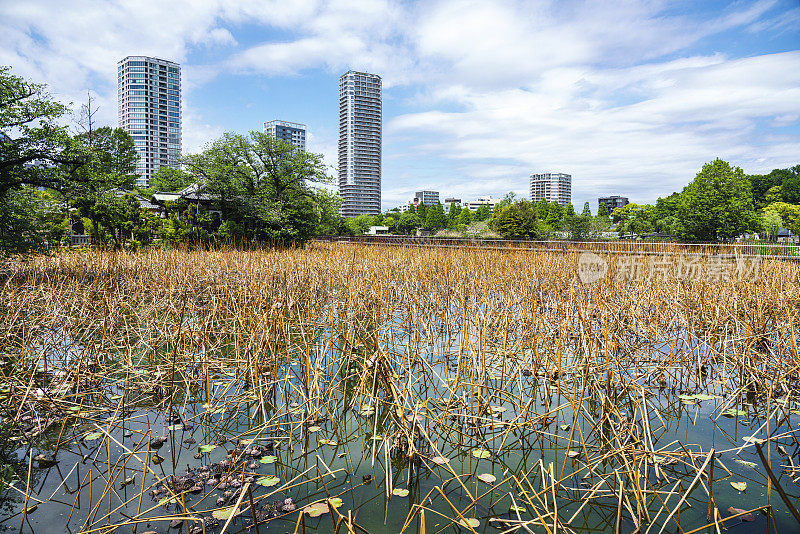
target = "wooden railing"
x: 619, y: 246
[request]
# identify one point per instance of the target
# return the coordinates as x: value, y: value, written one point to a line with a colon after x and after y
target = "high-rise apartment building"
x: 552, y: 187
x: 149, y: 109
x: 427, y: 197
x: 360, y: 117
x: 291, y: 132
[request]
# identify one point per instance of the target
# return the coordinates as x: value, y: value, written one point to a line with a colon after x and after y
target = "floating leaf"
x: 688, y: 402
x: 573, y: 454
x: 519, y: 509
x: 377, y: 437
x: 317, y: 509
x: 336, y: 502
x: 127, y: 482
x: 470, y: 523
x: 31, y: 509
x: 314, y: 429
x: 167, y: 500
x: 268, y: 459
x: 733, y: 412
x: 745, y: 463
x: 753, y: 439
x: 224, y: 513
x: 704, y: 397
x: 564, y: 427
x: 328, y: 442
x: 207, y: 448
x: 739, y: 486
x: 686, y: 397
x: 488, y: 478
x: 440, y: 460
x: 481, y: 453
x: 268, y: 481
x: 93, y: 436
x: 747, y: 517
x: 497, y: 409
x: 175, y: 427
x: 400, y: 492
x: 156, y: 459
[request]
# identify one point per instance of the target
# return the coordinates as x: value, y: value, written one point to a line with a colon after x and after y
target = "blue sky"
x: 630, y: 97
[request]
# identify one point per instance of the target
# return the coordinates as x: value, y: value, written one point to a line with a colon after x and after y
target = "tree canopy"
x: 262, y: 186
x: 718, y: 204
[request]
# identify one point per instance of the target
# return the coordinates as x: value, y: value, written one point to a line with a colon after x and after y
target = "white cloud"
x: 699, y: 109
x: 197, y: 133
x: 487, y: 90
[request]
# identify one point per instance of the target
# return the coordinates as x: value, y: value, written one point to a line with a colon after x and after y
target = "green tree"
x: 111, y: 165
x: 435, y: 218
x: 774, y: 194
x: 262, y: 186
x: 329, y: 220
x: 789, y: 215
x: 665, y: 214
x: 34, y: 151
x: 168, y: 179
x: 507, y: 200
x: 508, y: 223
x: 555, y: 215
x: 422, y: 211
x: 452, y: 215
x: 577, y: 226
x: 409, y: 221
x: 771, y: 223
x: 483, y: 213
x: 718, y: 204
x: 465, y: 217
x: 360, y: 223
x: 602, y: 211
x: 633, y: 219
x: 790, y: 185
x: 787, y: 179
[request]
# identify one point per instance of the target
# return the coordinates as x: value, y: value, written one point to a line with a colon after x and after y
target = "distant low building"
x: 377, y: 230
x: 291, y: 132
x: 426, y: 197
x: 450, y: 201
x: 192, y: 194
x: 787, y: 236
x: 481, y: 201
x: 612, y: 202
x: 144, y: 202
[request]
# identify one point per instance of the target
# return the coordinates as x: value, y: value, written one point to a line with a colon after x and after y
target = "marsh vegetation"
x: 351, y: 388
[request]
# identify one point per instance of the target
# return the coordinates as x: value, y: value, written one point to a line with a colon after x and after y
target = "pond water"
x: 494, y: 442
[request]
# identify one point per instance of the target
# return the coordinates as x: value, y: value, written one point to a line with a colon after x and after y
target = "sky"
x: 629, y: 97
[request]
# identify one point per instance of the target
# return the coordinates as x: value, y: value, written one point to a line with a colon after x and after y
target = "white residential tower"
x: 149, y: 109
x: 360, y: 118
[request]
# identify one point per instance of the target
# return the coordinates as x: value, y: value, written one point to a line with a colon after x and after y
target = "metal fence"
x: 621, y: 246
x: 80, y: 240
